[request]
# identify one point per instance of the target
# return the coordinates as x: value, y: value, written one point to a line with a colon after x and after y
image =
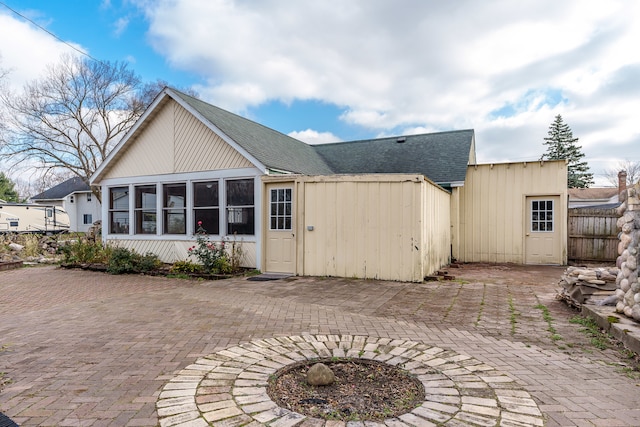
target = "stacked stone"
x: 628, y: 284
x: 580, y: 283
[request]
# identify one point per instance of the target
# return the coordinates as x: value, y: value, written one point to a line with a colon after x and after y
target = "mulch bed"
x: 364, y: 390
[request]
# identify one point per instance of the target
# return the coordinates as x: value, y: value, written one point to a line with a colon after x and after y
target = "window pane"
x: 550, y: 205
x: 146, y: 197
x: 205, y: 194
x: 240, y: 221
x: 240, y: 192
x: 175, y: 221
x: 534, y: 205
x: 175, y: 195
x: 119, y: 198
x: 210, y: 219
x: 146, y: 222
x: 119, y: 223
x: 549, y: 226
x: 534, y: 226
x: 287, y: 194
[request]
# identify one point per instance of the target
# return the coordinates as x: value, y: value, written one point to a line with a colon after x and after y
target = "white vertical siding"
x: 489, y: 219
x: 436, y: 228
x: 390, y: 227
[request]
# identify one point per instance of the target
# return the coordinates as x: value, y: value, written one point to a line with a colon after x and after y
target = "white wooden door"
x: 280, y: 247
x: 542, y: 230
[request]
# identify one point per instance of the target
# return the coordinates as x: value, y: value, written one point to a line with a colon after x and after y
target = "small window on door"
x: 280, y: 209
x: 541, y: 215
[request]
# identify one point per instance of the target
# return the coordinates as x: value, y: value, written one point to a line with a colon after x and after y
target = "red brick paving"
x: 85, y: 348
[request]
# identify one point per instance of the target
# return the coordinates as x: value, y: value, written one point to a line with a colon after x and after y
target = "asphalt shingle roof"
x: 273, y: 149
x: 63, y: 189
x: 442, y: 157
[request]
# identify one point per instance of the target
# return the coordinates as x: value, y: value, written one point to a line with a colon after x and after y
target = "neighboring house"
x: 604, y: 197
x: 76, y: 198
x: 591, y: 197
x: 390, y: 208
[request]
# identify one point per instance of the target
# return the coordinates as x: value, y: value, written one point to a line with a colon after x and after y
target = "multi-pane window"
x: 240, y: 207
x: 206, y: 207
x: 145, y: 209
x: 542, y: 215
x: 87, y: 219
x: 119, y: 210
x: 174, y: 208
x: 164, y: 209
x: 280, y: 209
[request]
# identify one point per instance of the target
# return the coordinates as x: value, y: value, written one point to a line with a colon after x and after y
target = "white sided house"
x: 76, y: 198
x: 394, y: 208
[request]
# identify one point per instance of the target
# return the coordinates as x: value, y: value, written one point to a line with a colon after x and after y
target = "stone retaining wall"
x: 627, y: 282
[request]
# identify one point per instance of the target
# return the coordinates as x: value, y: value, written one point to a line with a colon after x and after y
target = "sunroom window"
x: 145, y: 210
x: 206, y: 207
x: 119, y: 210
x: 240, y: 207
x: 174, y: 208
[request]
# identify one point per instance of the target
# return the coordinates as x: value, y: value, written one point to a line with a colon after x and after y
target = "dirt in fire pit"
x: 364, y: 390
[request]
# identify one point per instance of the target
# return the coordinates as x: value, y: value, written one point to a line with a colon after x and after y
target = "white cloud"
x: 408, y: 66
x: 311, y: 136
x: 28, y: 59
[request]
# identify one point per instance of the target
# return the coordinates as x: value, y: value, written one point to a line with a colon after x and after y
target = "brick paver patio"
x: 89, y: 349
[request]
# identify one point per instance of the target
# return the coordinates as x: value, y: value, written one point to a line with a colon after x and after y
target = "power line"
x: 50, y: 33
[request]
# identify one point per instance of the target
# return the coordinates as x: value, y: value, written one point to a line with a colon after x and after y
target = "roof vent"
x: 401, y: 140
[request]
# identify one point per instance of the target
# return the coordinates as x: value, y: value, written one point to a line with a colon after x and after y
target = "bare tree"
x: 632, y: 168
x: 72, y: 117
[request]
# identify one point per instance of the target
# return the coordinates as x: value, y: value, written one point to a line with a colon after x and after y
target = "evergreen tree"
x: 7, y: 189
x: 562, y: 145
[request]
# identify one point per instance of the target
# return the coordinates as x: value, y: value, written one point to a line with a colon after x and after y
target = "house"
x: 599, y: 197
x: 389, y: 208
x: 76, y: 198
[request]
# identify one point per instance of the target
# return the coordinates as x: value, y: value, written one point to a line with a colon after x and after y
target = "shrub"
x: 187, y: 267
x: 213, y: 256
x: 121, y: 261
x: 84, y: 251
x: 125, y: 261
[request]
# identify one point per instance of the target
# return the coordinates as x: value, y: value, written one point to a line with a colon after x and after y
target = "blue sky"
x: 333, y: 70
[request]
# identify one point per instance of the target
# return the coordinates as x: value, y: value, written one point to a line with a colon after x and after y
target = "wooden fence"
x: 593, y: 235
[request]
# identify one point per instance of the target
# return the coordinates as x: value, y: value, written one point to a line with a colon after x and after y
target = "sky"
x: 336, y: 70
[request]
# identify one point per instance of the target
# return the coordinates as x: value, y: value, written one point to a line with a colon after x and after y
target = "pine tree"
x: 562, y: 145
x: 8, y: 192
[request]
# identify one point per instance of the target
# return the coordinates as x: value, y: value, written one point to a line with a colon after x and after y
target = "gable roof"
x: 60, y: 191
x: 273, y: 149
x: 442, y: 157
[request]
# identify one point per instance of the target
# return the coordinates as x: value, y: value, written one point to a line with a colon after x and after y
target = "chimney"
x: 622, y: 185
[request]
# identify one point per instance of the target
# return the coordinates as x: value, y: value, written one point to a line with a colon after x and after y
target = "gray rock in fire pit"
x: 320, y: 374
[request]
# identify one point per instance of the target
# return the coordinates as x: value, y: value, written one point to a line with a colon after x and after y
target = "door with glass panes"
x: 280, y: 243
x: 542, y: 230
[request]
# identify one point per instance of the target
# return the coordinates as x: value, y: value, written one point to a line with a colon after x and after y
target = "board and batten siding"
x: 387, y: 227
x: 489, y: 221
x: 174, y: 142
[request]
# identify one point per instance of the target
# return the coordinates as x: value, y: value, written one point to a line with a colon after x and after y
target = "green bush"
x: 84, y: 251
x: 126, y: 261
x: 121, y: 261
x: 187, y: 267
